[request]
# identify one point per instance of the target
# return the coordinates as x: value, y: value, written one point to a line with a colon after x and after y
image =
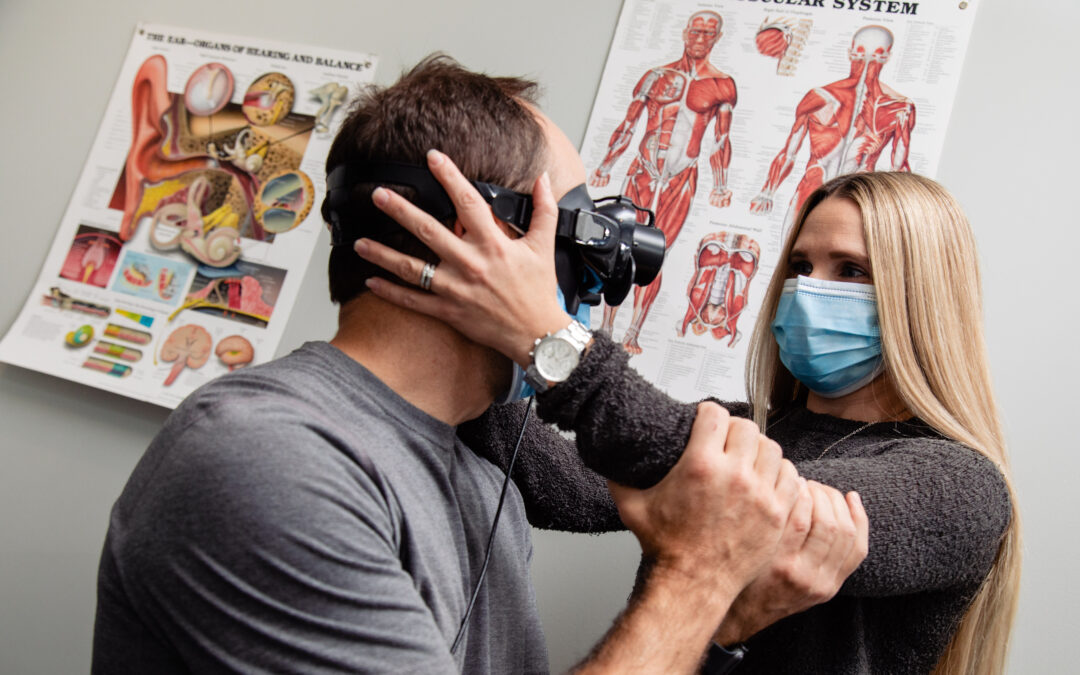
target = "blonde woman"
x: 867, y: 365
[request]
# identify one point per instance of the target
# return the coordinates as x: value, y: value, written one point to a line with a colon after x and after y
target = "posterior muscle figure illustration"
x: 681, y: 100
x: 849, y: 122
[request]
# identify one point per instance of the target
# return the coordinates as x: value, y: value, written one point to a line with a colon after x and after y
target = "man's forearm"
x: 667, y: 626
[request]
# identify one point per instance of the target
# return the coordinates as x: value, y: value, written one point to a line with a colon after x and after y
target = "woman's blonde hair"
x: 923, y: 263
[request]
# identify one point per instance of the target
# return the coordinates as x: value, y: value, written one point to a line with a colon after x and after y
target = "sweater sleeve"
x: 627, y: 429
x: 937, y: 512
x: 559, y: 491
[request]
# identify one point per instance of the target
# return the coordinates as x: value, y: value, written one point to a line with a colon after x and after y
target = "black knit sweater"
x: 937, y: 509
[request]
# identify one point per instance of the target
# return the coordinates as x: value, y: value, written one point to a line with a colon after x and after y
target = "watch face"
x: 555, y: 358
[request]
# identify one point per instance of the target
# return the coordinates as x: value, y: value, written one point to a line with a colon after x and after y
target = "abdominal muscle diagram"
x: 688, y: 107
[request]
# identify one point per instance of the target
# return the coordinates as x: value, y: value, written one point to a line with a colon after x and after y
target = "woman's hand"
x: 494, y: 289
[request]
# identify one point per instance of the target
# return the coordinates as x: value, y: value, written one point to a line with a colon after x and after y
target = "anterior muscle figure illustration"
x: 681, y: 100
x: 849, y: 122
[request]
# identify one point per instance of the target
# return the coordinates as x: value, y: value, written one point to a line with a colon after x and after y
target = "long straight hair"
x: 923, y: 263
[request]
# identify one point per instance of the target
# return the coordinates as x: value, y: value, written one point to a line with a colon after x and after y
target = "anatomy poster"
x: 182, y: 249
x: 721, y: 117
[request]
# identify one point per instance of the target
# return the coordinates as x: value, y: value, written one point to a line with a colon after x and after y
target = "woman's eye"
x: 800, y: 267
x: 853, y: 271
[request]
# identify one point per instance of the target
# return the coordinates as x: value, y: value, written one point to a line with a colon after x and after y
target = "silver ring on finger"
x: 426, y: 275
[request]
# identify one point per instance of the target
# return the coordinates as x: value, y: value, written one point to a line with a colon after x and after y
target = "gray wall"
x: 66, y: 450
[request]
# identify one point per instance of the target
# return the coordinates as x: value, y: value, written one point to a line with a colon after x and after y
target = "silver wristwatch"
x: 555, y: 356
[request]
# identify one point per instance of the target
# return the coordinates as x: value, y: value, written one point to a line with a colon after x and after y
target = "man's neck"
x: 423, y: 360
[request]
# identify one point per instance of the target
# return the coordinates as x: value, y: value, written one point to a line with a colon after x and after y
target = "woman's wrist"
x: 526, y: 340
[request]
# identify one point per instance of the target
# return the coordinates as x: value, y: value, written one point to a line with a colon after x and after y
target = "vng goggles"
x: 601, y: 247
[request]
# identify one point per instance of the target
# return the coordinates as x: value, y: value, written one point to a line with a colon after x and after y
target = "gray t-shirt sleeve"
x: 251, y: 560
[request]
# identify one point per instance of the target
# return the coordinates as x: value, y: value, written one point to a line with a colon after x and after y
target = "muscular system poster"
x: 721, y: 117
x: 182, y: 248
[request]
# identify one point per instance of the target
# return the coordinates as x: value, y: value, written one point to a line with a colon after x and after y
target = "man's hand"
x: 825, y: 541
x: 720, y: 512
x: 599, y: 178
x: 707, y: 529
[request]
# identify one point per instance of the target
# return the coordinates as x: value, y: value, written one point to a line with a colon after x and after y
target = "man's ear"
x: 459, y: 229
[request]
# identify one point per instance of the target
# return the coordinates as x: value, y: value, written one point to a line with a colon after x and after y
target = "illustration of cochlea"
x: 284, y: 201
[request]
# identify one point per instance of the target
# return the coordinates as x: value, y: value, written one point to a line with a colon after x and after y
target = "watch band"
x: 576, y: 335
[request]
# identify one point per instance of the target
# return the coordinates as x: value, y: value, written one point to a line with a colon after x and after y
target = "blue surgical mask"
x: 520, y: 389
x: 828, y: 334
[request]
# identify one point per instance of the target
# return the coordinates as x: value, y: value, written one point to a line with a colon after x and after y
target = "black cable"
x: 491, y: 536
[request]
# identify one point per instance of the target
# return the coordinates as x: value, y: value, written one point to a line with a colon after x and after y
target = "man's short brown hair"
x: 480, y: 122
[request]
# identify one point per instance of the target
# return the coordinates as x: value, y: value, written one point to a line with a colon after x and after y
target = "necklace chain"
x: 842, y: 439
x: 830, y: 446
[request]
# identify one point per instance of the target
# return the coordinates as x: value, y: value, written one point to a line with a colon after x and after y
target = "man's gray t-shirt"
x: 300, y: 516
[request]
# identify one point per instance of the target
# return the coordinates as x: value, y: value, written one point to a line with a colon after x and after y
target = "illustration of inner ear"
x: 269, y: 99
x: 188, y: 212
x: 330, y: 97
x: 783, y: 38
x: 284, y: 201
x: 720, y: 287
x: 208, y: 89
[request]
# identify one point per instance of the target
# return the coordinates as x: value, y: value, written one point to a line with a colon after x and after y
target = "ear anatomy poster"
x: 722, y: 117
x: 181, y: 251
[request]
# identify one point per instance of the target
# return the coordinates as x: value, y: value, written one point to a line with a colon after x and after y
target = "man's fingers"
x: 862, y: 532
x: 769, y: 456
x: 742, y: 439
x: 823, y: 528
x: 710, y: 427
x: 845, y: 527
x: 799, y: 520
x: 472, y: 211
x: 431, y: 232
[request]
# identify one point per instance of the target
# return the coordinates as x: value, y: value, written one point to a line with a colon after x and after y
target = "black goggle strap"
x: 514, y: 208
x: 430, y: 195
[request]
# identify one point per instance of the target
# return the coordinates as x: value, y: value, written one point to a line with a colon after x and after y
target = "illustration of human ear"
x: 187, y: 346
x: 150, y: 102
x: 208, y: 89
x: 235, y: 351
x: 783, y: 38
